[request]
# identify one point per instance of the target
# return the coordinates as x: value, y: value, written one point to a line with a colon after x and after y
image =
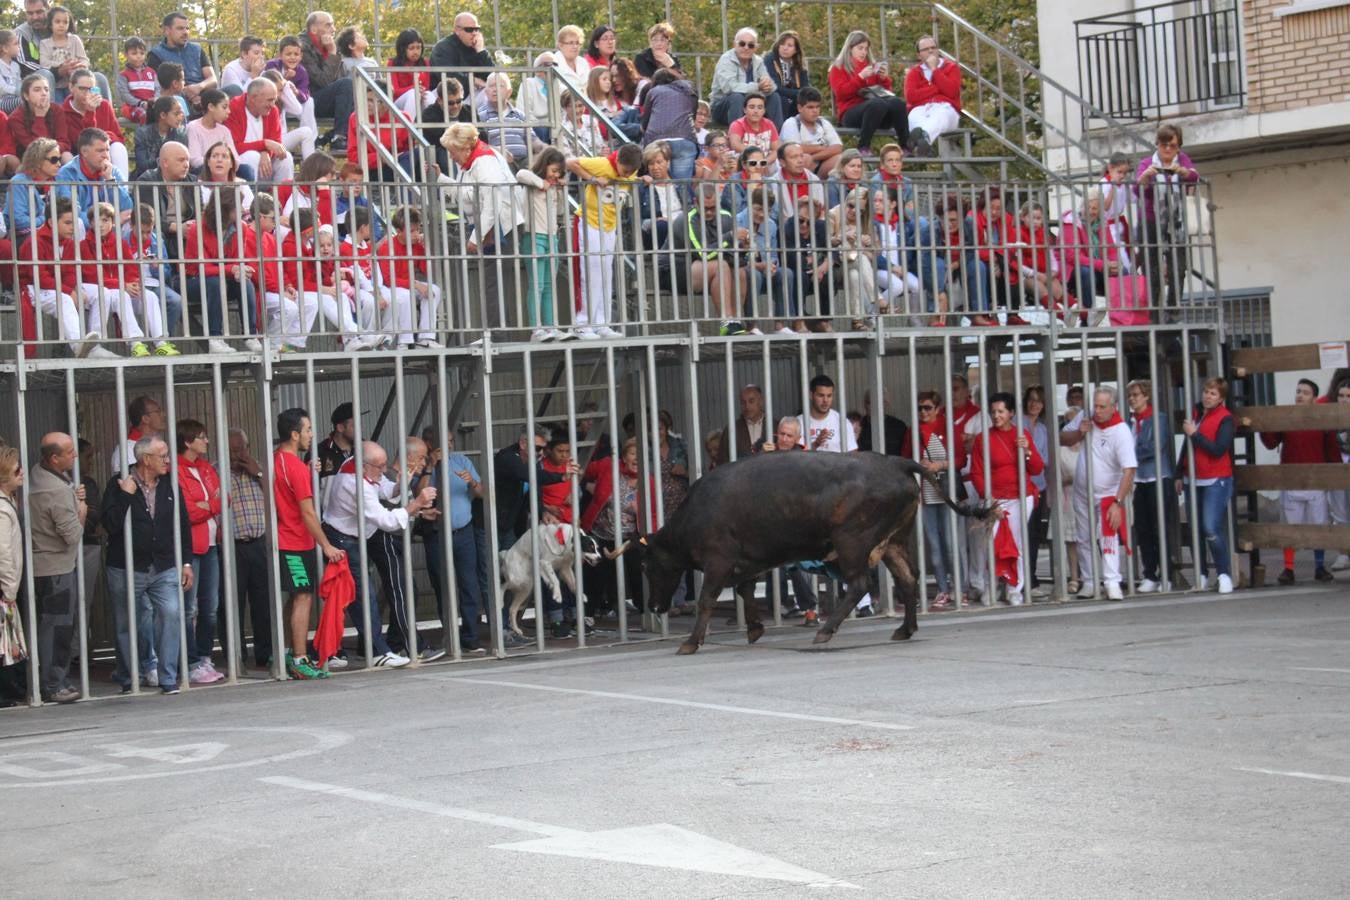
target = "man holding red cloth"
x: 1110, y: 445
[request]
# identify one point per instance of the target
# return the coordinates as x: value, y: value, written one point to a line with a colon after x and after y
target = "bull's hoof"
x: 754, y: 633
x: 822, y: 636
x: 687, y: 648
x: 902, y: 634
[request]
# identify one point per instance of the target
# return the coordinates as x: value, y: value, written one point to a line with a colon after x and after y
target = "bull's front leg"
x: 857, y: 586
x: 712, y: 588
x: 754, y: 628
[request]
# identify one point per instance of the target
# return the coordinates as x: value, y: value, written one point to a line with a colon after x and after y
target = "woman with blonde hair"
x: 850, y: 232
x: 657, y: 55
x: 573, y: 66
x: 863, y: 98
x: 11, y: 560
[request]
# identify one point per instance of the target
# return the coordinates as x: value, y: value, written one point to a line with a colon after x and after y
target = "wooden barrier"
x: 1316, y: 417
x: 1302, y: 477
x: 1275, y: 535
x: 1293, y: 358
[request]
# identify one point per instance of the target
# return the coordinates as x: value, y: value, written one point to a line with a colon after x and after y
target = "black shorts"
x: 299, y: 571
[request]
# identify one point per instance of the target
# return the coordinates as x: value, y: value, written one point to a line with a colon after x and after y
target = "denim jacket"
x: 1144, y: 448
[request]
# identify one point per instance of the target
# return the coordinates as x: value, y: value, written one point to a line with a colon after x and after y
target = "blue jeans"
x: 780, y: 286
x: 803, y: 590
x: 1213, y: 501
x: 464, y: 547
x: 683, y: 155
x: 213, y: 291
x: 157, y: 623
x: 201, y: 603
x: 378, y: 645
x: 173, y: 309
x: 937, y: 535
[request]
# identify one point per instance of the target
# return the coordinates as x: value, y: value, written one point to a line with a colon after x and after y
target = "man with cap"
x: 336, y: 449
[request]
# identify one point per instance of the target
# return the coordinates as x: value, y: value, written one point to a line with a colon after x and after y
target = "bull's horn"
x: 618, y: 551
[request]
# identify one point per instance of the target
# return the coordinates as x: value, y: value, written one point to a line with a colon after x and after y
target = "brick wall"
x: 1296, y: 60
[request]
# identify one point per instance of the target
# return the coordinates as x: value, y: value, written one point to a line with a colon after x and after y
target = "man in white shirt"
x: 819, y: 140
x: 345, y: 529
x: 823, y: 428
x: 1111, y: 445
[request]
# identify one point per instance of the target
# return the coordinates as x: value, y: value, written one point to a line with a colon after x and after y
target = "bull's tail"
x: 963, y: 508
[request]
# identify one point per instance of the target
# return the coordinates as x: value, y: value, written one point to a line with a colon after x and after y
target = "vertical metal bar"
x: 362, y: 550
x: 445, y: 534
x: 406, y: 496
x: 128, y: 570
x: 916, y: 451
x: 25, y: 463
x: 84, y: 579
x: 490, y: 508
x: 233, y: 648
x: 654, y: 423
x: 616, y: 505
x: 171, y: 439
x: 575, y: 500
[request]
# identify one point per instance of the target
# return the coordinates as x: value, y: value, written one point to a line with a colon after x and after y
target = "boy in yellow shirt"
x: 596, y: 229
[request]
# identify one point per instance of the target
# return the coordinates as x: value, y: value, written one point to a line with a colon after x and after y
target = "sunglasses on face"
x: 471, y: 29
x: 927, y: 407
x: 53, y: 159
x: 756, y: 163
x: 748, y: 44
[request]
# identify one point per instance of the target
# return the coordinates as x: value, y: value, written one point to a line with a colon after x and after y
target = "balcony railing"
x: 1159, y: 61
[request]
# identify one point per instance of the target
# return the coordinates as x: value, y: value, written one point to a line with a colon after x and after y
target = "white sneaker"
x: 787, y: 331
x: 151, y: 679
x: 1341, y: 564
x: 1203, y: 585
x: 336, y: 662
x: 1225, y: 584
x: 541, y: 335
x: 253, y: 345
x: 390, y: 660
x: 216, y: 345
x: 609, y: 333
x: 430, y: 344
x: 97, y: 352
x: 1113, y: 591
x: 200, y: 674
x: 562, y: 334
x: 1147, y: 586
x: 1086, y: 591
x: 1014, y: 597
x: 585, y: 334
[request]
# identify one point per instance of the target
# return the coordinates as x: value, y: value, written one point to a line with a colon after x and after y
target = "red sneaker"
x: 809, y: 618
x: 1015, y: 319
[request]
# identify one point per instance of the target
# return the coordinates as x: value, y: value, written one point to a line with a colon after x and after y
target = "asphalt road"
x: 1179, y: 747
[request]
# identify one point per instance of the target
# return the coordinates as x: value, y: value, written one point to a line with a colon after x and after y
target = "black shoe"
x: 1286, y: 577
x: 1323, y: 575
x: 865, y: 611
x: 790, y: 612
x: 561, y: 631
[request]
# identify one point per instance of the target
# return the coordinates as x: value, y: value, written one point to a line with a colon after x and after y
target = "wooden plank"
x: 1314, y: 417
x: 1290, y: 358
x: 1300, y: 477
x: 1274, y: 535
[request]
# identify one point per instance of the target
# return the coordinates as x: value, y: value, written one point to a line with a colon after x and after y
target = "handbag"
x: 877, y: 92
x: 1199, y: 223
x: 1128, y: 299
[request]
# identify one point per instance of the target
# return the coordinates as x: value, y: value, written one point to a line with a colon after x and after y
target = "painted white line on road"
x: 691, y: 704
x: 1310, y: 776
x: 661, y: 845
x: 1314, y: 669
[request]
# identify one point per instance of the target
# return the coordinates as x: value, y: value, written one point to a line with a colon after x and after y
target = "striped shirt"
x: 934, y: 452
x: 248, y: 506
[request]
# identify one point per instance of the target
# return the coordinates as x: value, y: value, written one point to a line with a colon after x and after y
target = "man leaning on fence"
x: 57, y: 513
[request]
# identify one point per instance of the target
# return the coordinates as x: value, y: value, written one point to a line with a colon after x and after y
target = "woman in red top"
x: 853, y: 73
x: 1211, y: 433
x: 412, y: 87
x: 200, y: 488
x: 215, y: 264
x: 995, y: 234
x: 1013, y: 459
x: 36, y: 117
x: 601, y: 50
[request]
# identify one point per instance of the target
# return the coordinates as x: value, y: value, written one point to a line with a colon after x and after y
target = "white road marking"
x: 1312, y: 669
x: 1311, y: 776
x: 661, y: 845
x: 691, y: 704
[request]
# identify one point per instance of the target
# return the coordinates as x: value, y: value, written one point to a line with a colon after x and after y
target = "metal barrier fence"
x: 443, y: 261
x: 496, y: 403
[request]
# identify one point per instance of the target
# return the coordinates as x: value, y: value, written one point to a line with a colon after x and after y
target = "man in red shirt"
x: 298, y: 532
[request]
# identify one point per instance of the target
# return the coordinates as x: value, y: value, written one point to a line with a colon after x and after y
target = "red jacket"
x: 238, y: 125
x: 102, y: 117
x: 399, y: 261
x: 847, y: 87
x: 1075, y: 246
x: 357, y: 257
x: 406, y: 76
x: 264, y: 243
x: 944, y: 88
x: 993, y: 246
x: 557, y: 495
x: 1003, y: 451
x: 1303, y: 446
x: 210, y: 260
x: 394, y: 137
x: 303, y: 268
x: 205, y: 488
x: 53, y: 126
x: 41, y: 246
x: 337, y: 590
x: 100, y: 257
x: 6, y: 137
x: 1036, y: 255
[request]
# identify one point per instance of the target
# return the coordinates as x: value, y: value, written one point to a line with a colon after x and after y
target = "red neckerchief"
x: 92, y: 176
x: 888, y: 178
x: 893, y: 221
x: 319, y: 46
x: 479, y: 150
x: 797, y: 185
x: 134, y: 434
x: 927, y: 429
x: 613, y: 160
x: 1140, y: 418
x: 1115, y: 420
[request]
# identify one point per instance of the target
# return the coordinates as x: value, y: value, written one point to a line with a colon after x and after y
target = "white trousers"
x: 103, y: 302
x: 408, y: 101
x: 860, y: 286
x: 1338, y: 505
x: 597, y: 275
x: 407, y: 308
x: 935, y: 119
x: 1019, y: 512
x: 282, y: 169
x: 1110, y: 546
x: 893, y: 284
x: 1304, y: 507
x: 69, y: 316
x: 288, y: 319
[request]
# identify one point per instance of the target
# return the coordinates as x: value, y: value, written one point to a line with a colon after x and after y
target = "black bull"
x: 774, y: 509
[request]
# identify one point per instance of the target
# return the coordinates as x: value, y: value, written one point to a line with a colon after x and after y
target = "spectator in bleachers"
x: 702, y: 115
x: 238, y: 72
x: 602, y: 48
x: 37, y: 117
x: 898, y: 239
x: 248, y: 508
x: 50, y: 278
x: 1210, y: 432
x: 199, y: 486
x: 1116, y: 195
x: 137, y: 83
x: 451, y: 108
x: 933, y: 93
x: 145, y: 504
x: 770, y: 284
x: 739, y: 73
x: 175, y: 47
x: 171, y: 84
x: 753, y: 129
x: 796, y: 180
x: 1042, y: 284
x: 513, y: 143
x: 573, y: 67
x: 716, y: 147
x: 668, y: 116
x: 750, y: 428
x: 855, y: 243
x: 171, y: 190
x: 994, y: 232
x: 311, y: 190
x: 806, y: 250
x: 31, y: 189
x: 545, y: 207
x: 752, y: 167
x: 1088, y: 249
x: 787, y: 67
x: 205, y: 132
x: 955, y: 261
x: 91, y: 178
x: 297, y: 304
x: 823, y: 429
x: 142, y: 235
x: 11, y: 72
x: 255, y: 122
x: 31, y: 33
x: 657, y: 55
x: 465, y: 48
x: 220, y: 173
x: 415, y: 302
x: 328, y: 82
x: 596, y: 232
x: 295, y: 96
x: 847, y: 177
x: 532, y: 96
x: 111, y: 283
x: 625, y: 83
x: 934, y: 457
x: 163, y: 123
x: 891, y: 172
x: 411, y: 89
x: 1033, y: 421
x: 702, y: 263
x: 217, y: 271
x: 57, y: 513
x: 817, y: 137
x: 390, y: 135
x: 59, y: 49
x: 579, y: 134
x: 300, y: 138
x: 659, y: 199
x: 863, y: 98
x: 1155, y: 465
x: 370, y: 298
x: 351, y: 47
x: 599, y: 90
x: 1162, y: 181
x: 351, y: 196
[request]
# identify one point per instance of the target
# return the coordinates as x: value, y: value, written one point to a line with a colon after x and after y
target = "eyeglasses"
x: 455, y: 102
x: 53, y: 159
x: 927, y: 407
x: 747, y: 44
x: 756, y: 163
